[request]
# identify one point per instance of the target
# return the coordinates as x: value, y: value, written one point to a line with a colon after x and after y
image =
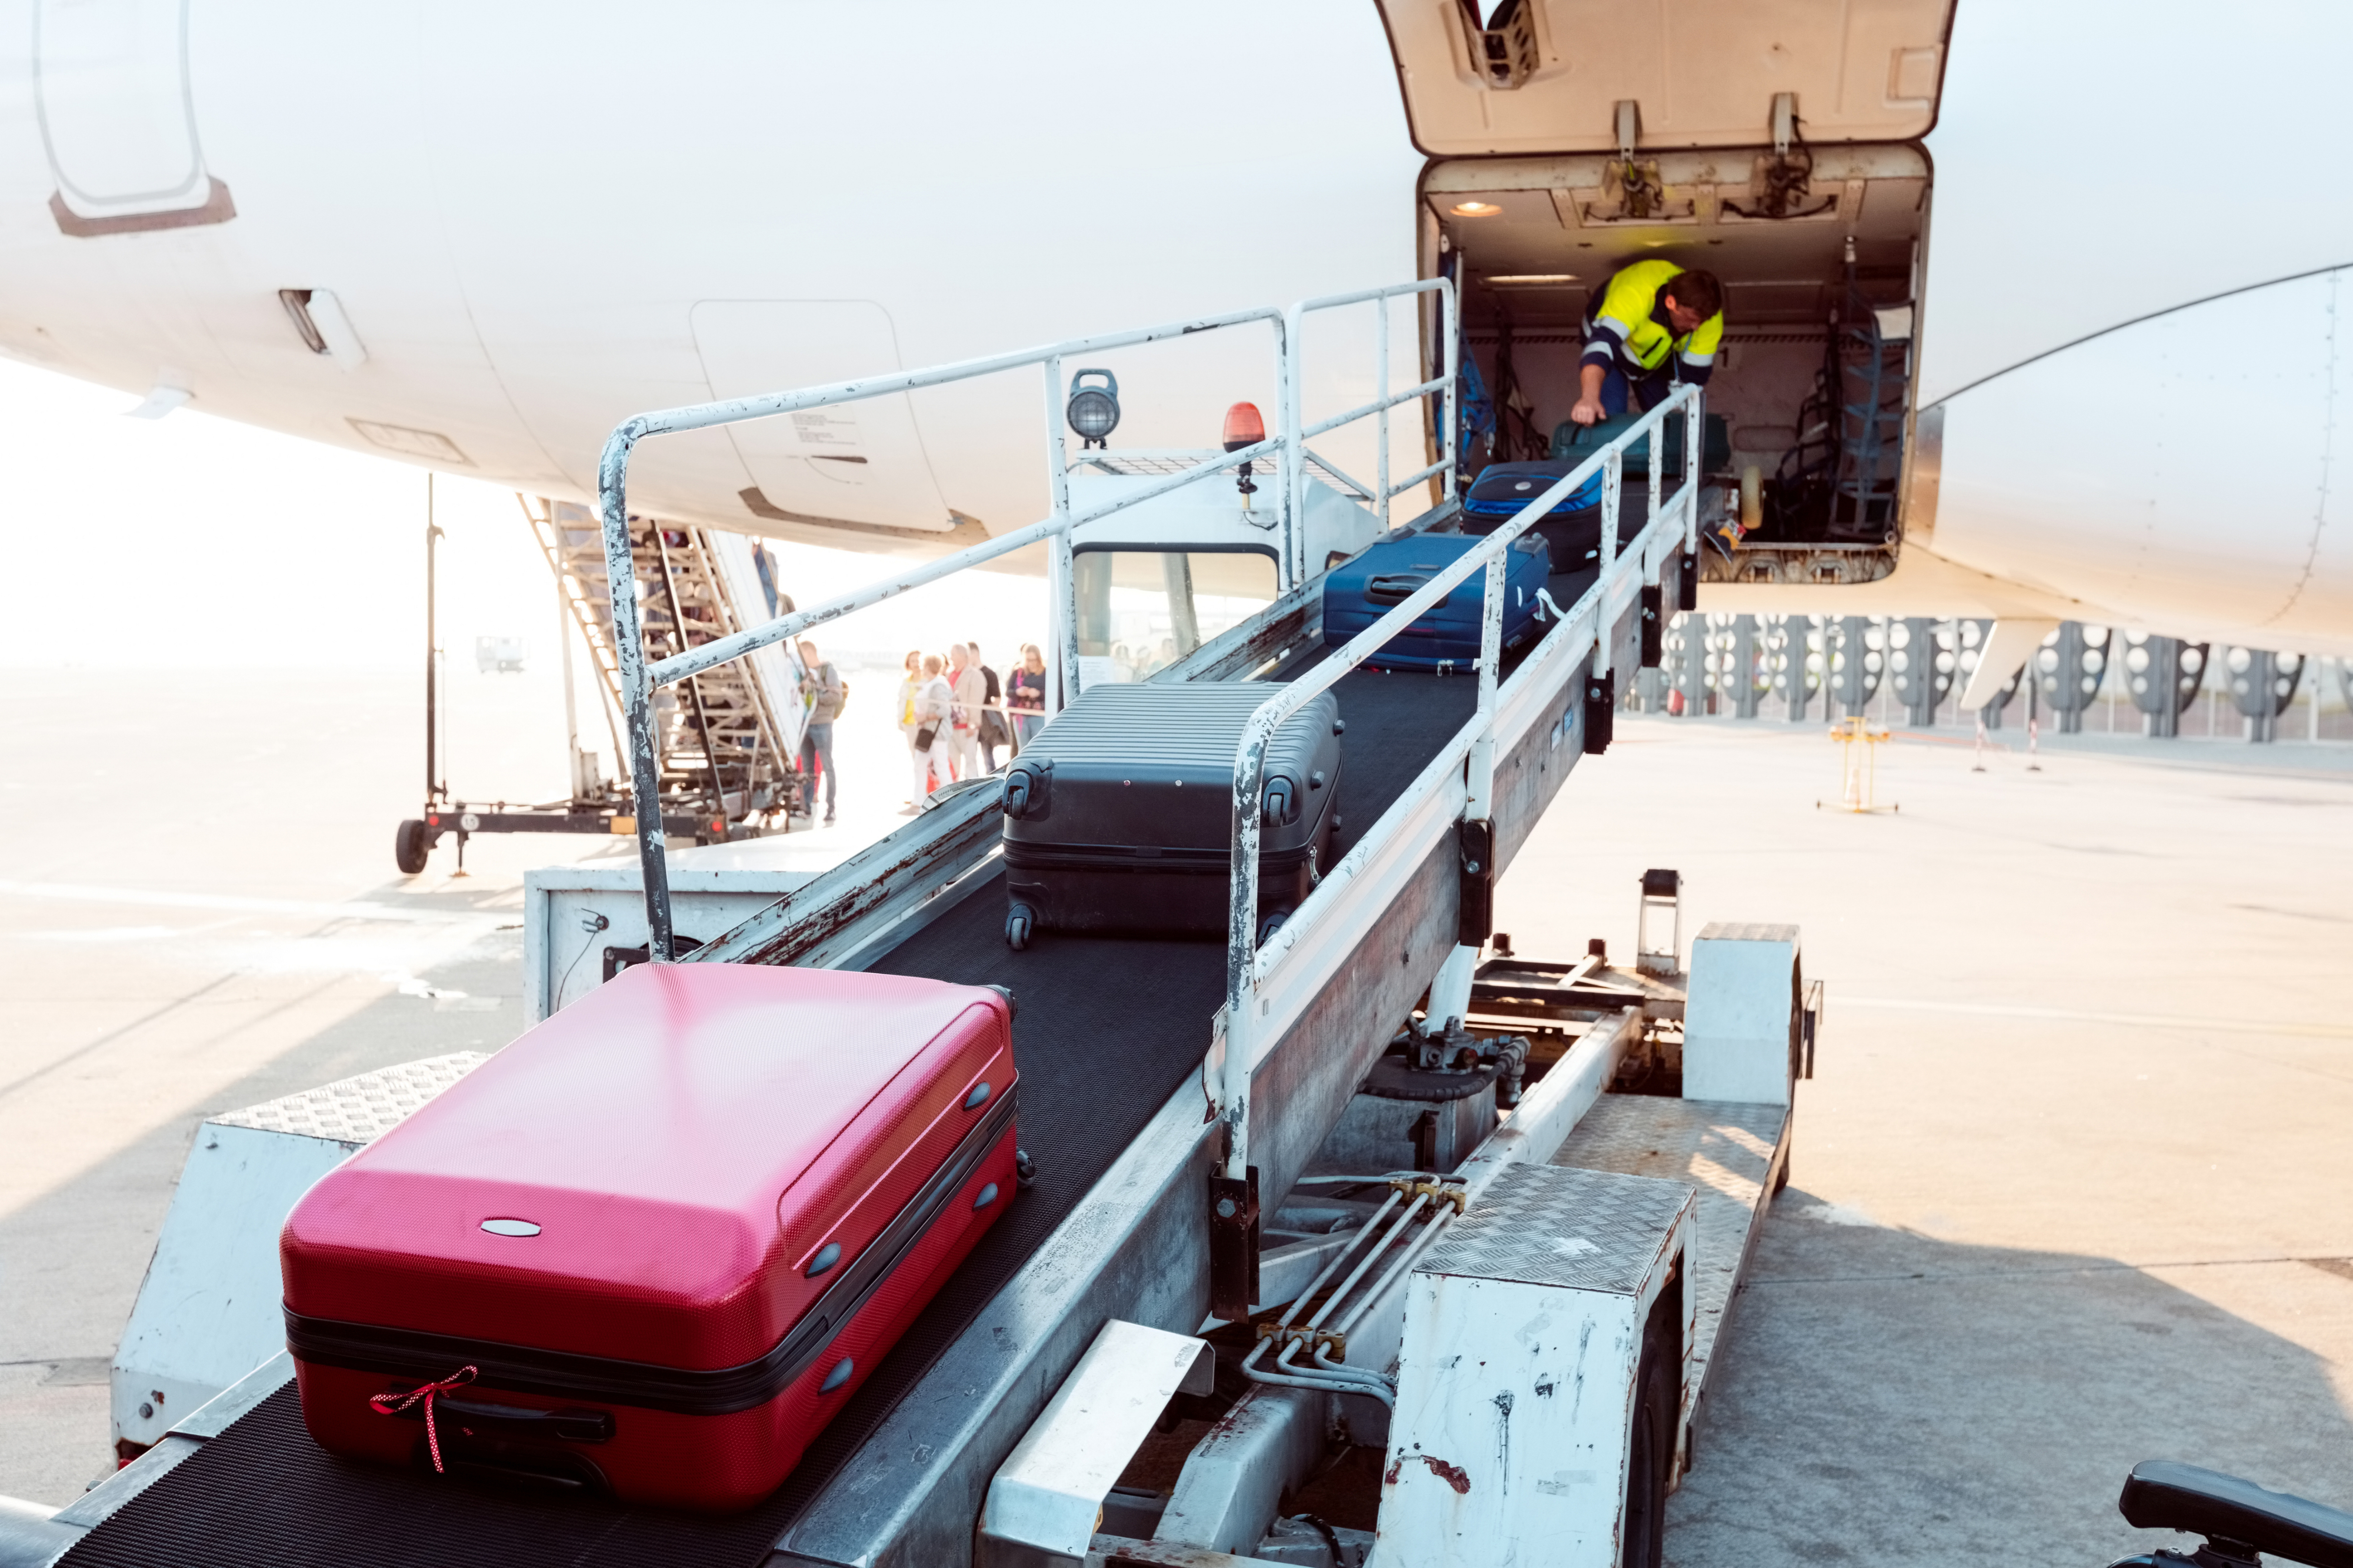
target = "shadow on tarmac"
x: 1888, y: 1398
x: 71, y: 1259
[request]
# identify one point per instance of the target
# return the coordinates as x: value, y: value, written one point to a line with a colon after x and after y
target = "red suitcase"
x: 653, y: 1246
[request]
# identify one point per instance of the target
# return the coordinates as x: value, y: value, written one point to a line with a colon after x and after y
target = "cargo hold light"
x: 1476, y: 209
x: 1245, y: 427
x: 1527, y: 279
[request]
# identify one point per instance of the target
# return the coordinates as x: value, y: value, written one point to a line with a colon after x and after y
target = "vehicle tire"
x: 410, y: 844
x: 1651, y: 1456
x: 1019, y: 921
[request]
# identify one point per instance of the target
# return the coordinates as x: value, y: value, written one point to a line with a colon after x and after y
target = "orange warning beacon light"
x: 1245, y: 427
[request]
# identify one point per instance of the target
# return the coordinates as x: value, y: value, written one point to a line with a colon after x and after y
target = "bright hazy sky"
x: 192, y: 541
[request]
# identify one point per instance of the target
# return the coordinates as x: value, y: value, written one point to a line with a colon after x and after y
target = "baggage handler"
x: 1654, y: 325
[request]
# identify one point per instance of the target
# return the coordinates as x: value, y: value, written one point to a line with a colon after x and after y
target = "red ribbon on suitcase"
x: 392, y: 1404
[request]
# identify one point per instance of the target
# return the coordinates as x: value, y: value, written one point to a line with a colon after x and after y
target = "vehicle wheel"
x: 1018, y: 922
x: 410, y: 844
x: 1650, y: 1459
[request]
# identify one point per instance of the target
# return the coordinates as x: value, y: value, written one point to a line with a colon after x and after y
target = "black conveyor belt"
x: 1106, y: 1030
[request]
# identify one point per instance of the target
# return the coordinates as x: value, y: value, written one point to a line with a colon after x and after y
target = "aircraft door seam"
x: 2328, y: 456
x: 1941, y: 400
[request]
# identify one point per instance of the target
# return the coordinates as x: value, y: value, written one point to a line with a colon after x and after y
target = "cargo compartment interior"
x: 1818, y: 251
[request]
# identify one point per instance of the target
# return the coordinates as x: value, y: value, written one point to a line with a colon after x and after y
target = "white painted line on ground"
x: 356, y: 910
x: 2070, y: 1015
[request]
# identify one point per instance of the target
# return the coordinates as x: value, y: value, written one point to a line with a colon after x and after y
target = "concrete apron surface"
x: 2069, y: 1187
x: 2074, y: 1135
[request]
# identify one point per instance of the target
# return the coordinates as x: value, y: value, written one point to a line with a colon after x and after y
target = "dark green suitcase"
x: 1572, y: 442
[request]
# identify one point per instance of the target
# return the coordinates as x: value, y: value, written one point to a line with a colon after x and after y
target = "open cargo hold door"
x: 1555, y: 75
x: 1774, y: 145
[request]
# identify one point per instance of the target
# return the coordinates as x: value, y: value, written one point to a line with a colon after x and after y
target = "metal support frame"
x: 1738, y: 676
x: 435, y: 788
x: 639, y: 678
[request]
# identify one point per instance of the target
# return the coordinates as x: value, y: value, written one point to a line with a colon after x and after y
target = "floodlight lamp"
x: 1093, y: 409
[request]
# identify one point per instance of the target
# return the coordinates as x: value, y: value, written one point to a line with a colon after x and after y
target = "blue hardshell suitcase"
x: 1572, y: 528
x: 1445, y: 638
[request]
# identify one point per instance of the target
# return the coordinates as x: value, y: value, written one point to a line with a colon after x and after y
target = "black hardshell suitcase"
x: 1119, y: 813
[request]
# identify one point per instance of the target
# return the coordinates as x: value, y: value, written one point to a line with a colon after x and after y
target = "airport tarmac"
x: 2067, y: 1186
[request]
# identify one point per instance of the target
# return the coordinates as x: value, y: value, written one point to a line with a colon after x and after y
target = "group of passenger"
x: 956, y: 715
x: 953, y: 711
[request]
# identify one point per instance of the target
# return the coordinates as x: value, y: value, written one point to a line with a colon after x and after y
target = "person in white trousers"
x: 927, y: 742
x: 969, y: 690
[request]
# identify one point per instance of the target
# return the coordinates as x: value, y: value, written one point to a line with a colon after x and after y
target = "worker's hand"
x: 1587, y: 411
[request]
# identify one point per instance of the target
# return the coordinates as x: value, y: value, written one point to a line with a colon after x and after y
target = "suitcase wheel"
x: 1019, y: 920
x: 1272, y: 924
x: 1025, y: 1169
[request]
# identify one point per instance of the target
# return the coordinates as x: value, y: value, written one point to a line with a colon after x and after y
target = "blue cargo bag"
x: 1572, y: 528
x: 1446, y: 637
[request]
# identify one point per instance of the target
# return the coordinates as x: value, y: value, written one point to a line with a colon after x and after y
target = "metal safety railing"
x: 639, y: 679
x: 1251, y: 961
x: 1297, y: 433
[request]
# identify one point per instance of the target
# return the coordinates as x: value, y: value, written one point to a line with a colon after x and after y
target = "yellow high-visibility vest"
x: 1629, y: 323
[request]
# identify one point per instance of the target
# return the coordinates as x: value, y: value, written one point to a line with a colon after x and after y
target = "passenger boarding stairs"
x: 728, y: 741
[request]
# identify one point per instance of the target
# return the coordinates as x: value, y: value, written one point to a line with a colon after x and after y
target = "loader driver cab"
x: 1653, y: 325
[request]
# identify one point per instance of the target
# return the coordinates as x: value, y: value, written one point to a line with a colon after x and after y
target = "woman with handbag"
x: 926, y: 710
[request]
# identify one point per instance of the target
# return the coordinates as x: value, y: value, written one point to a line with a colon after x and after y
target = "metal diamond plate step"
x: 1733, y: 1153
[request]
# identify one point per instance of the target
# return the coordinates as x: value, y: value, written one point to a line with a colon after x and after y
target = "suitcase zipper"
x: 564, y: 1374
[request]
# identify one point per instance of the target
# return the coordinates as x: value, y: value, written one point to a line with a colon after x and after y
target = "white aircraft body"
x: 476, y: 237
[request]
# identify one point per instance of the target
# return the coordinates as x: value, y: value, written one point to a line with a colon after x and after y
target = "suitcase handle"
x: 1028, y: 790
x: 1397, y: 587
x: 572, y: 1425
